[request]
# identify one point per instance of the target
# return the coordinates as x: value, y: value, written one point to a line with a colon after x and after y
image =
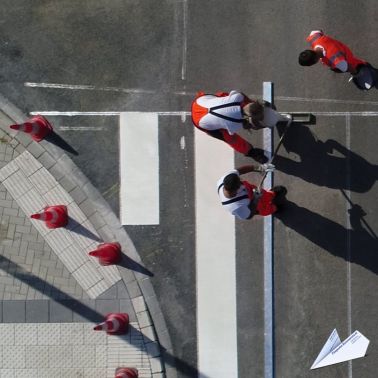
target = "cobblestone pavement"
x: 48, y: 284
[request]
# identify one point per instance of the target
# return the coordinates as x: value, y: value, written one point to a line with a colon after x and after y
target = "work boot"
x: 280, y: 197
x: 258, y: 155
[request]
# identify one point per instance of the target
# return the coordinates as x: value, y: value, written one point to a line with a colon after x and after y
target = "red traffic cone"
x: 126, y: 373
x: 114, y: 324
x: 54, y: 216
x: 38, y: 127
x: 108, y: 253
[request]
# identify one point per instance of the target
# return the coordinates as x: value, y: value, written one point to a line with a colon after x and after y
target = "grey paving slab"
x: 106, y: 306
x: 133, y: 289
x: 59, y: 313
x: 111, y: 293
x: 122, y: 292
x: 84, y: 311
x: 14, y: 311
x: 126, y: 306
x: 37, y: 311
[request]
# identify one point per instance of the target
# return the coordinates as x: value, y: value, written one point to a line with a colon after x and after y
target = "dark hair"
x: 307, y: 58
x: 231, y: 182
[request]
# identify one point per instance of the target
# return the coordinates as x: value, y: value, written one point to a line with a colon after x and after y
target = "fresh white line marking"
x: 139, y: 168
x: 215, y: 260
x: 87, y: 88
x: 349, y: 247
x: 268, y: 254
x: 344, y: 114
x: 329, y: 100
x: 184, y: 38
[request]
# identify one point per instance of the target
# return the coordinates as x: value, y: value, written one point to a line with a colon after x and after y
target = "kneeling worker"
x: 243, y: 199
x: 223, y: 114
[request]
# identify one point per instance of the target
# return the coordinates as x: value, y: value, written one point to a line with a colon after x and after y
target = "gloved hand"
x: 257, y: 194
x: 267, y: 167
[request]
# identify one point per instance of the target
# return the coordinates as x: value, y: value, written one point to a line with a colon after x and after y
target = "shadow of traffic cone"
x: 38, y: 127
x: 126, y: 373
x: 114, y: 324
x: 54, y: 216
x: 108, y: 253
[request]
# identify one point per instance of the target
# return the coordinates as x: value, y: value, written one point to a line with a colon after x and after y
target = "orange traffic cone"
x: 126, y: 373
x: 38, y: 127
x: 114, y: 324
x: 54, y: 216
x: 108, y: 253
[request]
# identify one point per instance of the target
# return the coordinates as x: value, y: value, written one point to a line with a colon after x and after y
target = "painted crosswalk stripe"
x: 215, y: 260
x: 139, y: 168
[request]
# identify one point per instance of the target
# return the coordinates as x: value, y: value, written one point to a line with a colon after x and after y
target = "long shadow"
x: 332, y: 236
x: 325, y: 163
x: 75, y: 226
x: 45, y: 287
x: 183, y: 367
x: 56, y: 139
x: 87, y: 312
x: 129, y: 263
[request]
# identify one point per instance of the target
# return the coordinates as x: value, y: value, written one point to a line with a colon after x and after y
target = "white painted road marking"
x: 87, y: 88
x: 183, y: 75
x: 215, y: 259
x: 268, y: 254
x: 139, y: 168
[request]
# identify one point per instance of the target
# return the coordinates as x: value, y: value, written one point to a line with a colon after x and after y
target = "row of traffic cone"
x: 108, y: 253
x: 57, y: 216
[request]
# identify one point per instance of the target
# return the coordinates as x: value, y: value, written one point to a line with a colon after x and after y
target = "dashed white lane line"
x: 215, y: 260
x: 139, y: 168
x: 87, y: 88
x: 184, y: 38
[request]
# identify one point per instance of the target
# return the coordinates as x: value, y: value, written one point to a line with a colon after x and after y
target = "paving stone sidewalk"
x: 46, y: 279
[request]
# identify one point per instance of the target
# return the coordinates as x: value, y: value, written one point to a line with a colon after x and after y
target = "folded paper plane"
x: 334, y: 351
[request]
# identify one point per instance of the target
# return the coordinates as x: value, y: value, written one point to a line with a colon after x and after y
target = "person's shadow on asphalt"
x: 333, y: 237
x: 328, y: 163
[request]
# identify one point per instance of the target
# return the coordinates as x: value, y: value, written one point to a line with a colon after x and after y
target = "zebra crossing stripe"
x: 139, y: 168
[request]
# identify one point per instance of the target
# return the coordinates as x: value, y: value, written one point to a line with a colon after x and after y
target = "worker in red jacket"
x: 223, y: 114
x: 339, y: 58
x: 243, y: 199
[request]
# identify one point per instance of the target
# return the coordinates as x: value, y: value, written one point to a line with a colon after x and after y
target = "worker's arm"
x: 253, y: 209
x: 247, y: 168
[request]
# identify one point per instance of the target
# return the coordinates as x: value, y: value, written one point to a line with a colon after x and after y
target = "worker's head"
x: 308, y: 58
x: 253, y: 111
x: 231, y: 183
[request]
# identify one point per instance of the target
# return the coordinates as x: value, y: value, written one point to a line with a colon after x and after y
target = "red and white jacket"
x: 220, y: 111
x: 336, y: 55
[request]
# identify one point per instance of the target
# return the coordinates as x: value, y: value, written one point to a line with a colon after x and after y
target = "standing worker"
x: 339, y: 58
x: 223, y: 114
x: 243, y: 199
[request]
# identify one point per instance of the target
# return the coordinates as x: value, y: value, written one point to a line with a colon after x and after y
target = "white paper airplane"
x: 334, y: 351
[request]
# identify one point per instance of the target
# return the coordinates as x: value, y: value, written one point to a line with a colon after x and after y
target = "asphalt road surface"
x: 151, y: 55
